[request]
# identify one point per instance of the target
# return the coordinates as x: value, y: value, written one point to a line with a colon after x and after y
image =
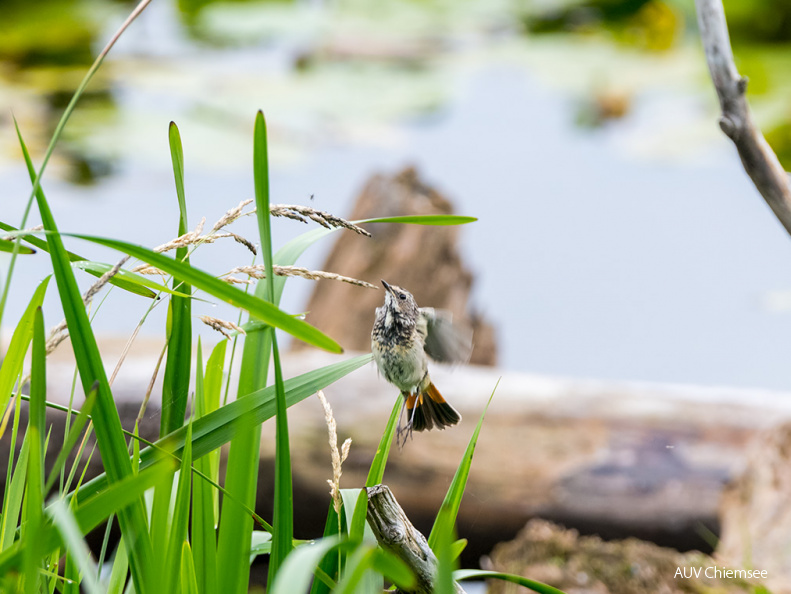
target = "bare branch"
x: 759, y: 161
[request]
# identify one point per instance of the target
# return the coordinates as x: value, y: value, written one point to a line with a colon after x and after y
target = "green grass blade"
x: 72, y: 576
x: 175, y: 385
x: 73, y: 436
x: 283, y: 514
x: 297, y: 570
x: 8, y: 247
x: 178, y: 531
x: 446, y: 518
x: 95, y: 507
x: 330, y: 564
x: 377, y: 470
x: 12, y: 501
x: 261, y: 181
x: 38, y: 383
x: 34, y: 502
x: 122, y: 281
x: 241, y: 476
x: 394, y: 570
x: 177, y: 157
x: 139, y: 283
x: 434, y: 220
x: 262, y: 310
x: 17, y: 348
x: 107, y: 424
x: 212, y: 382
x: 473, y: 574
x: 204, y: 540
x: 211, y: 402
x: 260, y: 544
x: 69, y: 531
x: 176, y: 381
x: 31, y: 239
x: 219, y: 427
x: 445, y: 535
x: 10, y: 466
x: 160, y: 524
x: 187, y: 581
x: 120, y: 568
x: 355, y: 507
x: 357, y: 564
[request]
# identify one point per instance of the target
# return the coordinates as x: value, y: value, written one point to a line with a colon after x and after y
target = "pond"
x: 616, y: 242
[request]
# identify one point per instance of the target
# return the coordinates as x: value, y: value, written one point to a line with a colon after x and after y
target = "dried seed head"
x: 232, y: 280
x: 184, y: 240
x: 258, y: 272
x: 146, y: 269
x: 337, y: 457
x: 221, y: 325
x: 195, y: 238
x: 325, y: 219
x: 230, y: 216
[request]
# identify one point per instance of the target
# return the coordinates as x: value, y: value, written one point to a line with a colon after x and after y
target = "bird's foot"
x: 403, y: 433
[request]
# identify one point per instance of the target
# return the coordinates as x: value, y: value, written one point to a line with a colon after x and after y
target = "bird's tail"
x: 429, y: 410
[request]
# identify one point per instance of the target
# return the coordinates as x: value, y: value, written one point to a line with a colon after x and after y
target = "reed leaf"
x: 134, y: 525
x: 477, y: 574
x: 176, y: 382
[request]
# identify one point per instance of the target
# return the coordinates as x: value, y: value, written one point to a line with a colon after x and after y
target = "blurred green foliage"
x: 55, y: 32
x: 646, y: 24
x: 759, y: 21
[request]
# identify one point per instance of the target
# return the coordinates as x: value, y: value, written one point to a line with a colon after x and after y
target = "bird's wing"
x: 446, y: 341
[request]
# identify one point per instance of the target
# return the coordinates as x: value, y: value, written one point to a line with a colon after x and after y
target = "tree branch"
x: 759, y: 161
x: 395, y: 533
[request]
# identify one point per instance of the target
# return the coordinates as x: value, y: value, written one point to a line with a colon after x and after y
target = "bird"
x: 403, y: 338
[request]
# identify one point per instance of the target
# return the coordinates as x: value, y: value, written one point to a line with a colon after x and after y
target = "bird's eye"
x: 402, y: 295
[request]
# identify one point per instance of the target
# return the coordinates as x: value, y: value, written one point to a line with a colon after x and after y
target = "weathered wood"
x: 758, y: 158
x: 395, y: 533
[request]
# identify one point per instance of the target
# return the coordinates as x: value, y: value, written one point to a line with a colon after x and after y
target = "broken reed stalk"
x: 395, y: 533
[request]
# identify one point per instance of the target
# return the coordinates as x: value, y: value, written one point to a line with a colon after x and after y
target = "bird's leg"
x: 406, y: 432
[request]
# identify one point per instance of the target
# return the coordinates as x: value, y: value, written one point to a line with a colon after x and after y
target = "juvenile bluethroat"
x: 404, y: 336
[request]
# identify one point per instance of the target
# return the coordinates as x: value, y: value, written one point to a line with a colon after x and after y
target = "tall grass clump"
x: 185, y: 526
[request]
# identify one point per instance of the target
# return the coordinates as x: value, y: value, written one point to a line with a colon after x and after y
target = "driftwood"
x: 759, y: 161
x: 395, y: 533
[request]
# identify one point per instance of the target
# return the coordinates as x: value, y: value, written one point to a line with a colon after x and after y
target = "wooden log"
x: 615, y: 458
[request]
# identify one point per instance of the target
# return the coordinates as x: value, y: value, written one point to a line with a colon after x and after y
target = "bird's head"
x: 400, y: 303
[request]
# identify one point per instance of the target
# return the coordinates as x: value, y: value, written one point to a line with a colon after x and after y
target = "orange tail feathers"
x: 431, y: 410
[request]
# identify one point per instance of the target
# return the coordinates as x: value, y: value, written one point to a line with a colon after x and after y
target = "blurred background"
x: 618, y: 235
x: 619, y: 239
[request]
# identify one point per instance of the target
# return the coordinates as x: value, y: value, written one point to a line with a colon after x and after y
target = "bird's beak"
x: 386, y: 286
